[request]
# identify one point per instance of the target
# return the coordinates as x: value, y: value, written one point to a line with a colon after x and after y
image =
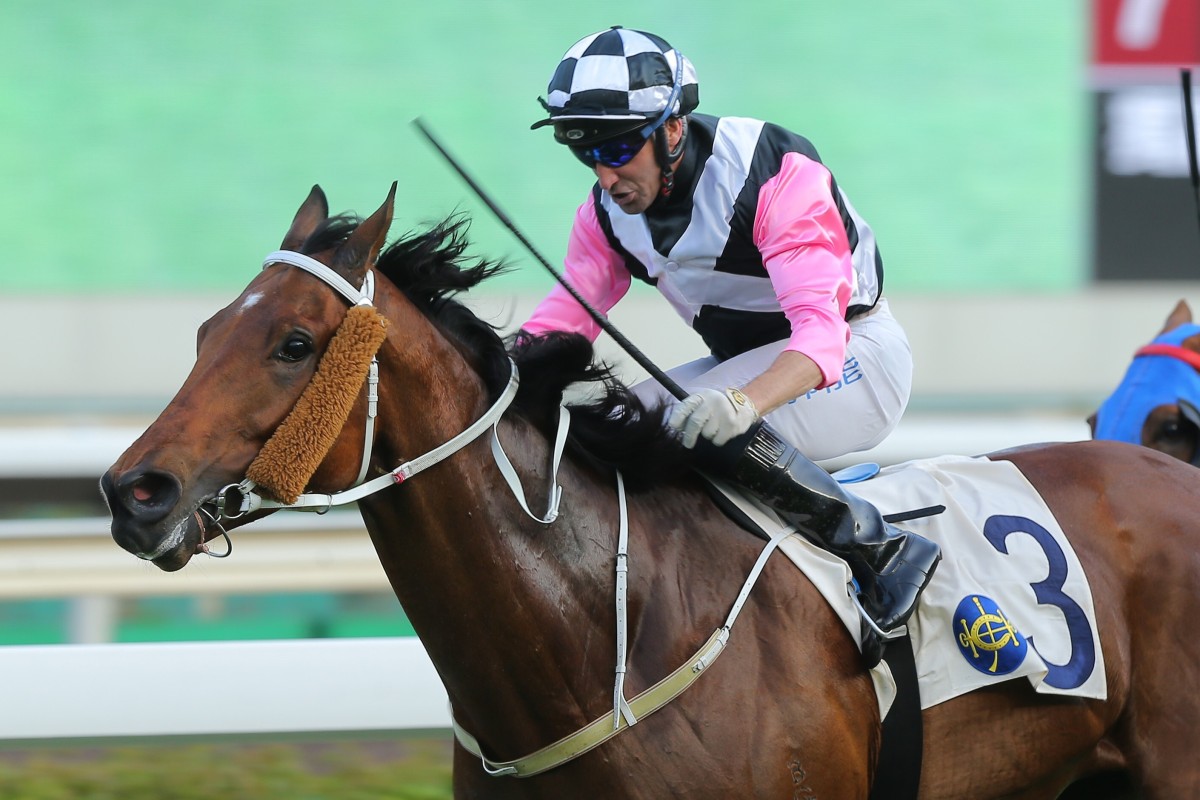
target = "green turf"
x: 380, y: 769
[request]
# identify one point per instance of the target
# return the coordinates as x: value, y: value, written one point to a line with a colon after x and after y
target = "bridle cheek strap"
x: 288, y: 460
x: 302, y: 441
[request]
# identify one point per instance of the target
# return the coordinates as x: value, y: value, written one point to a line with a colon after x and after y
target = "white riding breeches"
x: 855, y: 413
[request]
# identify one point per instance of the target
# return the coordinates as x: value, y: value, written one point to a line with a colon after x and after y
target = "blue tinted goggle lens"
x: 612, y: 152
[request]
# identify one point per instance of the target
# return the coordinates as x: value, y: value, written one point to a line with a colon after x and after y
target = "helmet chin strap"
x: 668, y: 157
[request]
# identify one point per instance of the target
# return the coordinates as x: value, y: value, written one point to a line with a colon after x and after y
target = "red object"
x: 1172, y: 350
x: 1139, y: 33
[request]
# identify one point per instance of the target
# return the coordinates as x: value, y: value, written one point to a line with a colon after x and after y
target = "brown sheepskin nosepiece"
x: 300, y: 443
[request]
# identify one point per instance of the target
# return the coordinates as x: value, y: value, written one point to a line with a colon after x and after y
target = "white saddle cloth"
x: 1009, y: 599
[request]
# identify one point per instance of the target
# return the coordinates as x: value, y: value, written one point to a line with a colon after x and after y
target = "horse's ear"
x: 1180, y: 315
x: 358, y: 253
x: 313, y: 211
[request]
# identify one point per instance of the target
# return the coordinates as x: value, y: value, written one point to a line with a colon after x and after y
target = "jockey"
x: 749, y: 238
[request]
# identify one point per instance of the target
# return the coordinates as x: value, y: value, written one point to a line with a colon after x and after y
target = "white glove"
x: 715, y: 415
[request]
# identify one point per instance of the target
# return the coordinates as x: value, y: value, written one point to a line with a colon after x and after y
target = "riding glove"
x: 717, y: 416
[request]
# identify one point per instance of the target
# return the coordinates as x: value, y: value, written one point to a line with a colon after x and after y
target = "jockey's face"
x: 635, y: 185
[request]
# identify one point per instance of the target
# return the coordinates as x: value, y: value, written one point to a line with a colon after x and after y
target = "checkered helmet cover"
x: 620, y: 74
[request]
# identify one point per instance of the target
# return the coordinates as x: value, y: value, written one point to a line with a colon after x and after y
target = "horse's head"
x: 1157, y: 403
x: 255, y: 360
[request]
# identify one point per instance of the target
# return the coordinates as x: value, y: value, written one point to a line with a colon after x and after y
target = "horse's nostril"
x: 148, y: 494
x: 150, y: 488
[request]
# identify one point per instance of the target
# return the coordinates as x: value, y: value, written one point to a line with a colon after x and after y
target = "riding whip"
x: 637, y: 355
x: 1189, y: 125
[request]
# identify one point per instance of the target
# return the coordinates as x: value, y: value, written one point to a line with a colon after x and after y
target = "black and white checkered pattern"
x: 620, y: 74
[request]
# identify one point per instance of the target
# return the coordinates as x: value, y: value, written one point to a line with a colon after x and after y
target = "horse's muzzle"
x: 143, y: 504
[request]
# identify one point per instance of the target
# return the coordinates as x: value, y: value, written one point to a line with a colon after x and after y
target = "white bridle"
x: 238, y: 499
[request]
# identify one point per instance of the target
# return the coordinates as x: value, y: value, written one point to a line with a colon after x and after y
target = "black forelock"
x: 330, y: 233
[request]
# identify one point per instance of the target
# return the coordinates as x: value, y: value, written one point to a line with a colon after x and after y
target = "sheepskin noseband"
x: 290, y: 457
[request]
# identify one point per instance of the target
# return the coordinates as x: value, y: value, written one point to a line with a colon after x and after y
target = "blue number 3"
x: 1049, y: 592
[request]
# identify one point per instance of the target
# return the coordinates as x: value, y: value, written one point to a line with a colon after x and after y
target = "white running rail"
x: 130, y: 692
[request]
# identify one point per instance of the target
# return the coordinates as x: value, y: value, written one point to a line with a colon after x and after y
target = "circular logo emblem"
x: 986, y: 639
x: 574, y: 133
x: 737, y: 397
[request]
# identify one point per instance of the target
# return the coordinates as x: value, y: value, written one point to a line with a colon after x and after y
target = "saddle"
x: 1009, y: 577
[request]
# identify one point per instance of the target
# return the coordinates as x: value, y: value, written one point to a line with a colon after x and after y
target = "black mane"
x: 431, y: 268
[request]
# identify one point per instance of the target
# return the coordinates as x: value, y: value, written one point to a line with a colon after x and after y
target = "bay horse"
x: 516, y: 608
x: 1157, y: 402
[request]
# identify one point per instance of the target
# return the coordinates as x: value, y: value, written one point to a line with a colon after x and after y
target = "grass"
x: 400, y: 769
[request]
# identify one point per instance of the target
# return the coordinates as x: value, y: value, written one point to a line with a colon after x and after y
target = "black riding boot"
x: 891, y: 565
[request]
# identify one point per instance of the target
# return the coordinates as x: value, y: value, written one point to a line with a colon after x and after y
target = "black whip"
x: 637, y: 355
x: 1189, y: 124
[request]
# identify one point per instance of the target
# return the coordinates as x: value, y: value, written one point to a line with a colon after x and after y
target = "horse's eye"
x: 1171, y: 434
x: 296, y: 348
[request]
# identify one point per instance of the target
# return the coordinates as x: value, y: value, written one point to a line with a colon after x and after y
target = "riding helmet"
x: 615, y: 81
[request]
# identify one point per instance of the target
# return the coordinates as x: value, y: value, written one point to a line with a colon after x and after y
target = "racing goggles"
x: 615, y: 152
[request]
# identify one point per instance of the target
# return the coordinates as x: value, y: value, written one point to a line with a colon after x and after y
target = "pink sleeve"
x: 596, y: 271
x: 800, y: 234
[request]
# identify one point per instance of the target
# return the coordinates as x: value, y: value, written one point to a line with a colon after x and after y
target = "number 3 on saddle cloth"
x: 1009, y: 599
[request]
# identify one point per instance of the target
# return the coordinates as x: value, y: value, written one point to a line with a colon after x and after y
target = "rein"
x: 238, y: 499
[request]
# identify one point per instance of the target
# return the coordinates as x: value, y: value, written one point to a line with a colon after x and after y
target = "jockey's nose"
x: 606, y: 176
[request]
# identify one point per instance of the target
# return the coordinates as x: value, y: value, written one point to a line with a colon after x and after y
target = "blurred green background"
x: 151, y: 147
x: 204, y: 618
